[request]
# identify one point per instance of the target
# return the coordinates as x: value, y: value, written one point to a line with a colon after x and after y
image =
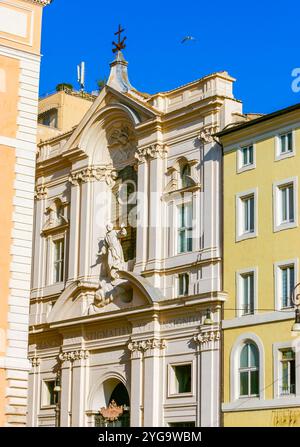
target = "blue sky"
x: 256, y: 42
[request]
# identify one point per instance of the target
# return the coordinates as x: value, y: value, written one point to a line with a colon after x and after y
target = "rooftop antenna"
x: 81, y: 75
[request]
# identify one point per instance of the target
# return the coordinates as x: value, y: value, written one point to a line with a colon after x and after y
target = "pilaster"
x: 208, y: 347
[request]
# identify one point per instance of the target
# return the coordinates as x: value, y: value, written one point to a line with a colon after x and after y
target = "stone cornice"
x: 40, y: 2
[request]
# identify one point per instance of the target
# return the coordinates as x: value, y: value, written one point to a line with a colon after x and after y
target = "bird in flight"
x: 187, y: 38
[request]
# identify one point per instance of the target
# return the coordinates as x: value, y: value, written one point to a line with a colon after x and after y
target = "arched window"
x: 185, y: 172
x: 249, y: 370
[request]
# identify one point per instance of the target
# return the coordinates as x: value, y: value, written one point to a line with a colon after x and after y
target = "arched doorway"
x: 118, y: 401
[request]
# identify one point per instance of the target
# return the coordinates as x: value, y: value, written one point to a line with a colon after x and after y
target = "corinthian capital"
x: 156, y: 150
x: 208, y: 340
x: 144, y: 345
x: 71, y: 356
x: 35, y: 361
x: 41, y: 192
x: 94, y: 173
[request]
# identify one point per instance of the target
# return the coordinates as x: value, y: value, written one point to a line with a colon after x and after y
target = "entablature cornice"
x: 40, y: 2
x: 177, y: 305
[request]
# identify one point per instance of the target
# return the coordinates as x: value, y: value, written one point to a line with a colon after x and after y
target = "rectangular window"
x: 185, y: 217
x: 183, y: 284
x: 248, y: 214
x: 286, y: 143
x: 288, y: 372
x: 182, y: 378
x: 287, y: 203
x: 248, y: 293
x: 247, y: 155
x: 49, y: 395
x: 59, y: 253
x: 287, y: 284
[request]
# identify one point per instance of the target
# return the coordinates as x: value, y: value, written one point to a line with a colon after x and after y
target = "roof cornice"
x: 40, y: 2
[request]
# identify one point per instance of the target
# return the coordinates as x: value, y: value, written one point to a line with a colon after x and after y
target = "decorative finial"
x: 120, y: 45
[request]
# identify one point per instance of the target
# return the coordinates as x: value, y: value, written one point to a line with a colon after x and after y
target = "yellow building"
x: 261, y: 267
x: 59, y: 112
x: 20, y: 33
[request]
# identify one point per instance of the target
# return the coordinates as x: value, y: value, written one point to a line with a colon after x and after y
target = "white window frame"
x: 178, y: 205
x: 248, y: 369
x: 277, y: 186
x: 240, y: 197
x: 277, y: 348
x: 177, y: 284
x: 61, y: 261
x: 249, y: 337
x: 277, y: 280
x: 45, y: 393
x: 51, y: 256
x: 282, y: 155
x: 240, y: 289
x: 240, y: 166
x: 171, y: 379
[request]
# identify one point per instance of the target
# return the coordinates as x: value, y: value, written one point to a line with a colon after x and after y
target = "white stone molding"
x: 156, y: 150
x: 91, y: 174
x: 40, y: 2
x: 206, y: 135
x: 41, y: 192
x: 144, y: 345
x: 208, y: 339
x: 35, y: 361
x: 71, y: 356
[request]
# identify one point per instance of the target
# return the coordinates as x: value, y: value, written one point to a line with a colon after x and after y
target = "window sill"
x: 285, y: 226
x: 176, y: 395
x: 285, y: 155
x: 260, y: 404
x: 246, y: 168
x: 245, y: 236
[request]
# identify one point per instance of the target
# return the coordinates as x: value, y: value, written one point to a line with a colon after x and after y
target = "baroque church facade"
x: 126, y: 301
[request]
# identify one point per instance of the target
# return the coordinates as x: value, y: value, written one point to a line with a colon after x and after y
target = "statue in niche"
x: 113, y: 249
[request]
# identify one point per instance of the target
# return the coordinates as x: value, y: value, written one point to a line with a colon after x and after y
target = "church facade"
x: 127, y: 298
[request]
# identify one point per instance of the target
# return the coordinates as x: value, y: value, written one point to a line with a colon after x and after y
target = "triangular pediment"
x: 84, y: 299
x: 108, y: 102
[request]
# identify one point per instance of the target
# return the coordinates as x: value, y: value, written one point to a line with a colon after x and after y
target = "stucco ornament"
x: 120, y: 136
x: 113, y: 249
x: 205, y: 136
x: 101, y: 299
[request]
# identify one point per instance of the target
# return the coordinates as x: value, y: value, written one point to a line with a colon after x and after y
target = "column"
x: 208, y: 341
x: 136, y: 389
x: 142, y: 215
x: 39, y: 244
x: 74, y: 230
x: 34, y: 394
x: 156, y: 224
x: 79, y: 375
x: 152, y: 382
x: 65, y: 396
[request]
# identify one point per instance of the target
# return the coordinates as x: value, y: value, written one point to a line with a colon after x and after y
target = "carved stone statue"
x: 113, y: 249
